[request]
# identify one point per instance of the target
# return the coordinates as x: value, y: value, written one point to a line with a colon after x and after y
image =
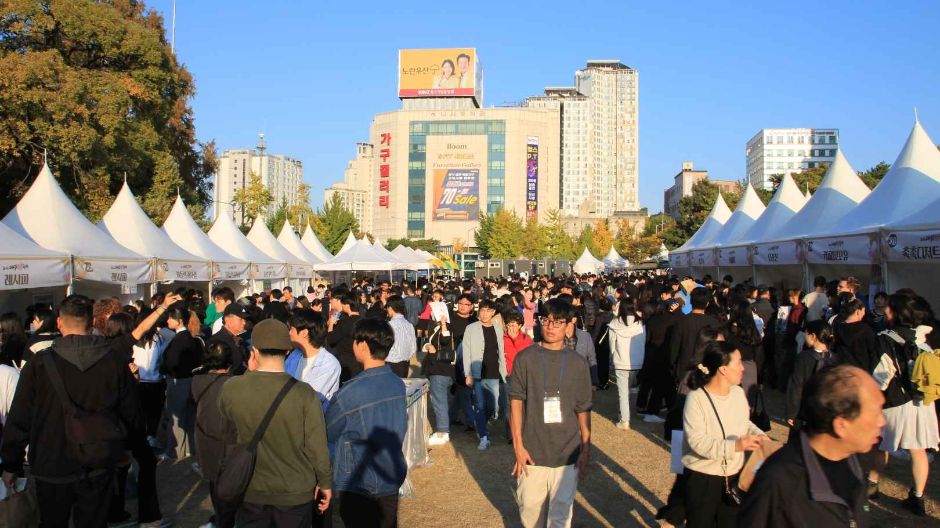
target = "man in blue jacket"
x: 366, y: 424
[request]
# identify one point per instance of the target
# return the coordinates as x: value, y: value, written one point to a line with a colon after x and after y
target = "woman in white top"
x: 718, y: 431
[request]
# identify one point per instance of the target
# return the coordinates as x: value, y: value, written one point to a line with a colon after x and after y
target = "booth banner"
x: 230, y: 271
x: 733, y: 256
x: 301, y: 271
x: 703, y: 258
x: 912, y: 246
x: 29, y: 273
x: 678, y: 260
x: 856, y: 249
x: 777, y: 254
x: 268, y: 271
x: 115, y: 272
x: 168, y: 270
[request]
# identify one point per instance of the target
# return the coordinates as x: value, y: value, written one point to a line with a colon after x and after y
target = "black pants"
x: 400, y: 369
x: 86, y: 501
x: 368, y: 512
x: 663, y: 389
x: 705, y: 505
x: 603, y: 364
x: 152, y: 400
x: 674, y: 510
x: 224, y: 511
x: 265, y: 515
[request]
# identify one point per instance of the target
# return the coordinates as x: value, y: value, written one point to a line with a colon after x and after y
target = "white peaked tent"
x: 47, y: 217
x: 709, y: 229
x: 586, y: 263
x: 261, y: 237
x: 228, y: 237
x: 787, y: 201
x: 292, y: 243
x: 613, y: 260
x: 313, y: 245
x: 127, y: 223
x: 185, y: 233
x: 23, y: 264
x: 729, y: 253
x: 427, y: 256
x: 350, y: 242
x: 380, y: 250
x: 663, y: 252
x: 411, y: 259
x: 361, y: 256
x: 911, y: 183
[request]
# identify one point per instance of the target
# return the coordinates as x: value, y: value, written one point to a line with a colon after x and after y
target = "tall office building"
x: 281, y: 174
x: 356, y: 190
x: 788, y: 151
x: 599, y: 138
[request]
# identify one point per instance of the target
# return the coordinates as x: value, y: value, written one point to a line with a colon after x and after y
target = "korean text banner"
x: 448, y: 72
x: 532, y: 178
x: 457, y: 194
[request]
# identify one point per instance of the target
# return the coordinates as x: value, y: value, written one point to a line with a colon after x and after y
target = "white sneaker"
x: 437, y: 439
x: 652, y: 418
x: 623, y: 425
x: 484, y: 443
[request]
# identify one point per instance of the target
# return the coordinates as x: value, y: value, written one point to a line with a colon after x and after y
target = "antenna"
x: 173, y: 30
x: 916, y: 118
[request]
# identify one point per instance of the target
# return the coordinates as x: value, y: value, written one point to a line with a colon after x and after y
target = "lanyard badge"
x: 551, y: 404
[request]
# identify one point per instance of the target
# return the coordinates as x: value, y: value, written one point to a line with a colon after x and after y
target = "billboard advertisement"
x: 532, y: 177
x: 455, y: 166
x: 444, y: 72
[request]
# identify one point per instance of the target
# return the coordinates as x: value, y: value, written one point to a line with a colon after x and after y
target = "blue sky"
x: 312, y: 76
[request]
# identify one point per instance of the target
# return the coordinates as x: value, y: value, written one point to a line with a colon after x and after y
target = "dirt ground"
x: 628, y: 480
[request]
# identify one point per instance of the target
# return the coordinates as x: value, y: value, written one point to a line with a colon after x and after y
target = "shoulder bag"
x: 731, y: 496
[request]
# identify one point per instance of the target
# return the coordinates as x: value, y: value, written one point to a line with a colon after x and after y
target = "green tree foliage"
x: 333, y: 223
x: 534, y: 239
x: 557, y: 241
x: 586, y: 240
x: 603, y: 238
x: 483, y: 233
x: 505, y: 240
x: 276, y: 221
x: 96, y: 85
x: 636, y: 249
x: 663, y: 226
x: 300, y: 212
x: 874, y: 175
x: 428, y: 244
x: 808, y: 178
x: 694, y: 209
x: 254, y: 199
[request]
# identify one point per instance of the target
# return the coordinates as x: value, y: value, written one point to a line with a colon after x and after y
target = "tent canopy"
x: 614, y: 260
x: 184, y: 232
x: 710, y: 228
x: 587, y: 263
x: 291, y: 242
x: 391, y: 257
x: 261, y: 237
x: 411, y: 259
x: 350, y: 242
x: 313, y: 245
x: 787, y: 201
x: 27, y: 265
x: 745, y: 214
x: 361, y: 256
x: 224, y: 234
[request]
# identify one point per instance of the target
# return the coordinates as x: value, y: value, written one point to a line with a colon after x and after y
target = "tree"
x: 636, y: 249
x: 663, y: 226
x: 557, y: 241
x: 483, y: 233
x: 586, y: 240
x: 96, y: 86
x: 534, y: 239
x: 603, y: 238
x: 333, y: 223
x: 807, y: 178
x: 874, y: 175
x: 276, y: 221
x: 505, y: 239
x: 459, y: 245
x: 300, y: 212
x: 253, y: 199
x: 695, y: 208
x: 428, y: 244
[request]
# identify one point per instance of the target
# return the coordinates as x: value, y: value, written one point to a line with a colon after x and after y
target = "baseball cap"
x: 271, y: 334
x: 236, y: 310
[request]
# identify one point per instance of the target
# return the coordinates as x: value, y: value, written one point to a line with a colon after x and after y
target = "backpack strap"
x: 263, y: 426
x: 56, y: 378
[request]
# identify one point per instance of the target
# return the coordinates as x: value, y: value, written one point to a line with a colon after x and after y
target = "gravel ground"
x: 628, y: 480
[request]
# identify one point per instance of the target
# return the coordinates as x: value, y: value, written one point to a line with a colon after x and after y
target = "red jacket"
x: 514, y: 346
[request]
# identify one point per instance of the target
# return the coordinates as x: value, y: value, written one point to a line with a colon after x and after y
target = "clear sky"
x: 311, y: 75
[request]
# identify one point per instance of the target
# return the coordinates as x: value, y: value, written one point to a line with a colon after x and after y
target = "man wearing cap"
x: 233, y: 326
x: 292, y: 478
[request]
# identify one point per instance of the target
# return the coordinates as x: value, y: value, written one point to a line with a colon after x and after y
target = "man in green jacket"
x: 292, y: 476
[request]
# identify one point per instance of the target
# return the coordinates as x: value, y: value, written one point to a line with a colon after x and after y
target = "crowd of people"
x: 293, y: 407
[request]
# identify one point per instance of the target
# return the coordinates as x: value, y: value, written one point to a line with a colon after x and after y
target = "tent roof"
x: 184, y: 232
x: 127, y: 223
x: 787, y: 201
x: 291, y: 242
x: 381, y: 250
x: 613, y: 259
x: 361, y: 256
x: 927, y: 217
x: 227, y: 236
x: 710, y: 228
x: 46, y: 216
x: 261, y: 237
x: 745, y: 214
x: 840, y: 191
x: 915, y: 176
x: 313, y: 245
x: 410, y: 258
x: 587, y: 263
x: 350, y: 242
x: 15, y: 245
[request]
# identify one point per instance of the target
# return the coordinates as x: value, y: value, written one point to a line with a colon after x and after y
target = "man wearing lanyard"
x: 550, y: 394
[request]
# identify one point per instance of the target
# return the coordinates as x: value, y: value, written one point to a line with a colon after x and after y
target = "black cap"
x: 236, y: 310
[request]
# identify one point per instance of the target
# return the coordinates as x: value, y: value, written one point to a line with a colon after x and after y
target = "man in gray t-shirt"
x: 550, y: 394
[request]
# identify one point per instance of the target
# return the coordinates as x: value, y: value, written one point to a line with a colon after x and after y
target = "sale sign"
x: 457, y: 194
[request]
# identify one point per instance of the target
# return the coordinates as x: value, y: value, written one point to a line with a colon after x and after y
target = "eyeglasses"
x: 464, y: 304
x: 553, y: 323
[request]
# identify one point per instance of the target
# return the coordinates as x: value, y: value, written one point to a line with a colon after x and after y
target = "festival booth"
x: 130, y: 226
x: 313, y: 245
x: 785, y: 204
x: 226, y: 270
x: 685, y: 254
x: 291, y: 242
x: 360, y: 256
x: 912, y: 251
x: 782, y: 257
x: 732, y: 258
x: 586, y: 263
x: 99, y: 266
x: 28, y: 273
x: 613, y: 260
x: 412, y: 260
x: 298, y: 273
x: 263, y: 268
x: 350, y: 242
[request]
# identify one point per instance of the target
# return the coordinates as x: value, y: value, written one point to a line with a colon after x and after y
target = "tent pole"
x: 211, y: 271
x: 70, y: 290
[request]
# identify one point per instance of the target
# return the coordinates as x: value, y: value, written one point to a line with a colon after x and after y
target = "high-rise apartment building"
x: 356, y: 190
x: 281, y: 174
x: 355, y: 200
x: 788, y: 151
x: 599, y: 137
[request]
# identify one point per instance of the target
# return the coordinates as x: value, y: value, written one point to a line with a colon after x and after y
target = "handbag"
x: 444, y: 345
x: 19, y: 506
x: 732, y: 496
x: 238, y: 463
x: 760, y: 418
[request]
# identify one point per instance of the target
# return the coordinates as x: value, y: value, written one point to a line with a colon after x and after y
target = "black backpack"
x: 96, y: 437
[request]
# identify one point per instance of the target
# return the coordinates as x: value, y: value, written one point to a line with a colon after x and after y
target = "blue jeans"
x: 488, y: 402
x: 440, y: 386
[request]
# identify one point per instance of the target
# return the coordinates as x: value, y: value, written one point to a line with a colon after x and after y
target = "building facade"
x: 354, y: 200
x: 788, y: 151
x: 282, y: 175
x: 356, y: 189
x: 683, y: 183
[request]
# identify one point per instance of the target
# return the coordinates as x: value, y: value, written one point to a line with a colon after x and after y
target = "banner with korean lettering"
x: 268, y: 271
x: 456, y: 194
x: 115, y: 272
x: 532, y: 178
x: 702, y: 257
x: 678, y: 260
x: 855, y: 249
x: 19, y: 274
x: 913, y: 246
x: 777, y: 254
x: 442, y: 72
x: 385, y: 170
x: 230, y: 271
x: 733, y: 256
x: 171, y: 270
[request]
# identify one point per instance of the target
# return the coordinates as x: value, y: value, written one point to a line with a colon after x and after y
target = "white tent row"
x: 613, y: 260
x: 587, y: 263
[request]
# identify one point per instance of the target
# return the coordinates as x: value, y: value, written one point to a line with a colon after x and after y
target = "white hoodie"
x: 627, y: 343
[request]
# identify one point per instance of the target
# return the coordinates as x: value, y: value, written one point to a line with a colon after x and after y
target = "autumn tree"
x: 636, y: 249
x: 333, y: 223
x: 253, y: 199
x: 534, y: 239
x: 557, y: 241
x: 603, y: 238
x: 428, y: 244
x: 96, y: 86
x: 505, y: 240
x: 483, y: 233
x: 300, y: 212
x: 874, y: 175
x: 586, y: 240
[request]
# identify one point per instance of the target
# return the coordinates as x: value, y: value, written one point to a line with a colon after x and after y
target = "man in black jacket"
x: 96, y: 379
x: 233, y: 328
x: 818, y: 480
x: 685, y: 331
x: 339, y: 338
x: 275, y: 308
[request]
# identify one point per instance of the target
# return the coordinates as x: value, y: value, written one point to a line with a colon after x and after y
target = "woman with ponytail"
x: 718, y: 431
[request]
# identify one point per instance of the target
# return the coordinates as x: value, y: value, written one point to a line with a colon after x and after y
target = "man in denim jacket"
x: 366, y: 424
